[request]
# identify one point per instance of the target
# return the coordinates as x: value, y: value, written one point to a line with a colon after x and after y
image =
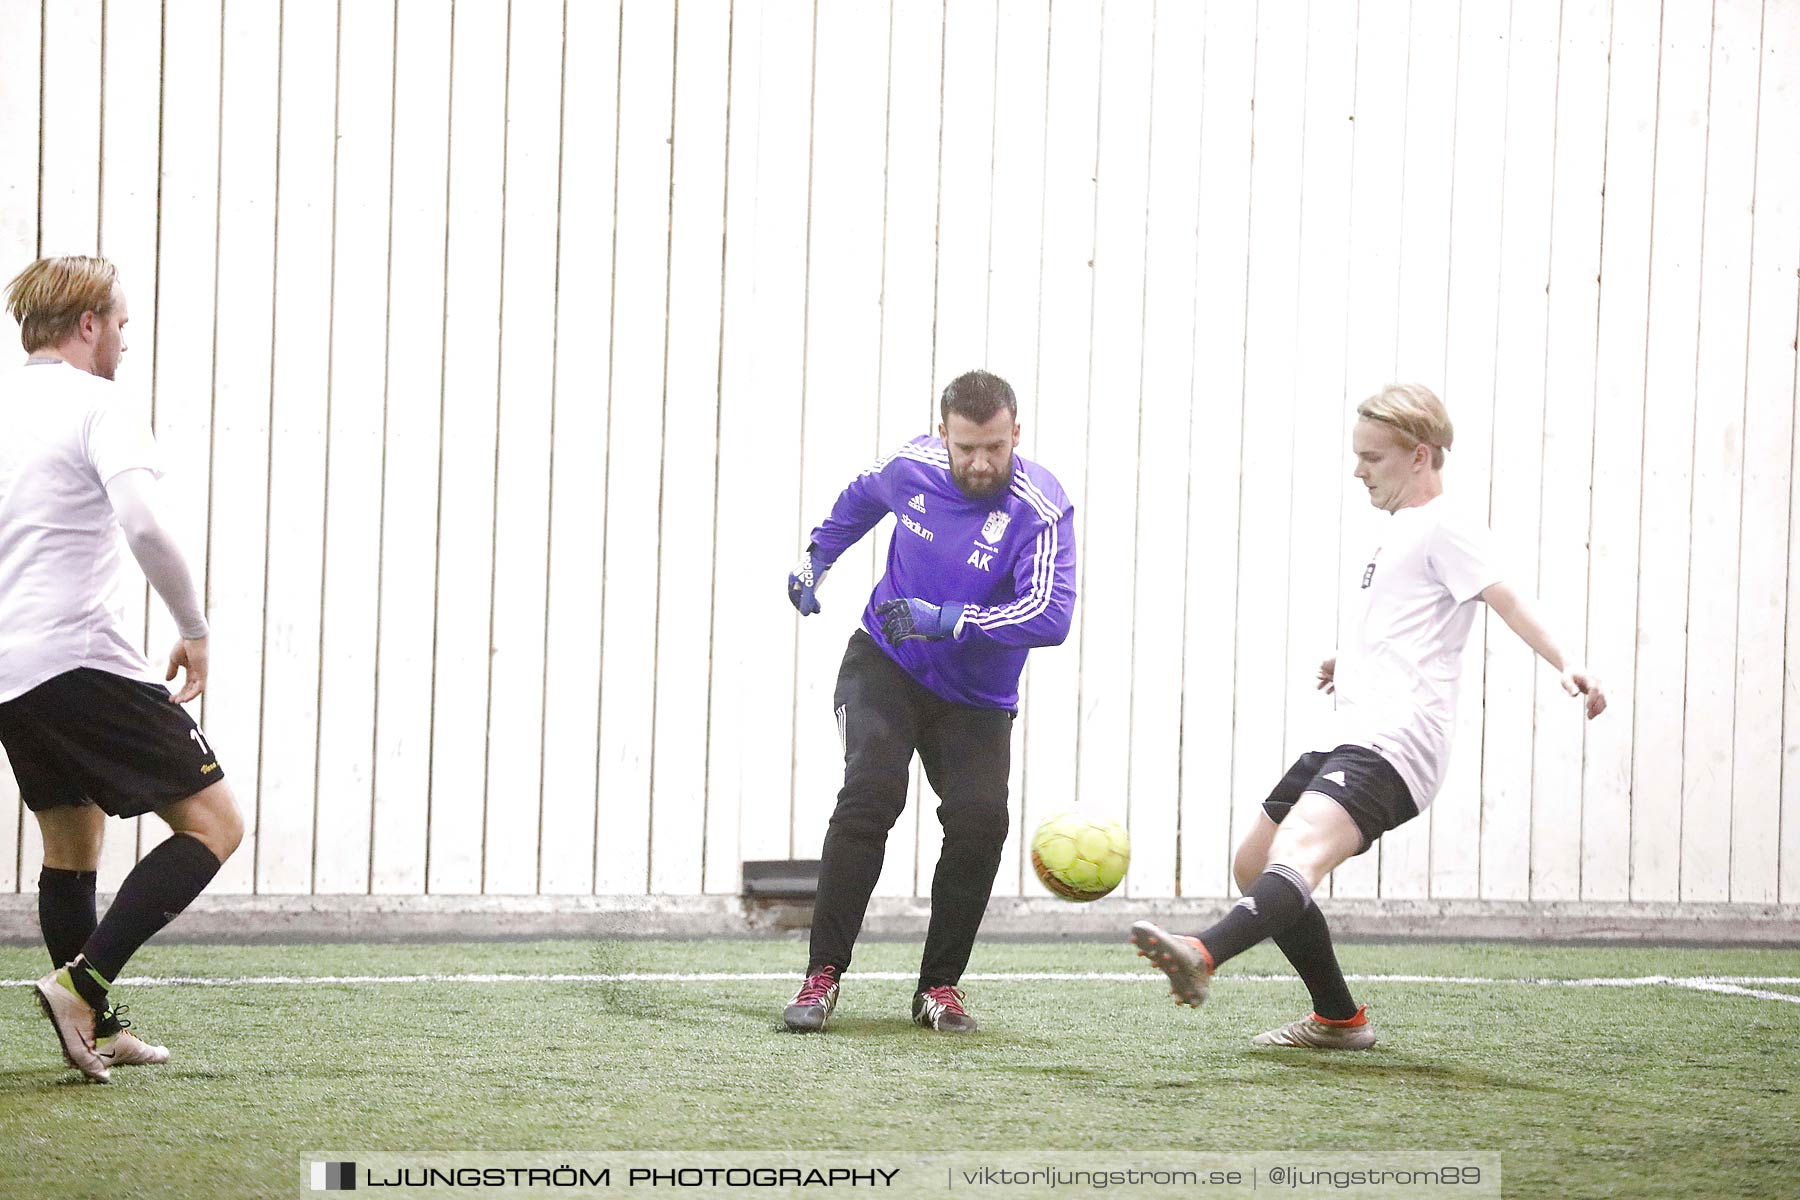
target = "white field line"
x: 1730, y: 985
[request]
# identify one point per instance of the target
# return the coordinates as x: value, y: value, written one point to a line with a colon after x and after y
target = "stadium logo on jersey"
x: 995, y: 528
x: 916, y: 527
x: 917, y: 502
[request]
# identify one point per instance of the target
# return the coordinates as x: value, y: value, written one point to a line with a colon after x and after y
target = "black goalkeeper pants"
x: 884, y: 717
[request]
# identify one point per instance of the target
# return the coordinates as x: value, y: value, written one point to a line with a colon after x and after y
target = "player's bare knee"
x: 210, y: 817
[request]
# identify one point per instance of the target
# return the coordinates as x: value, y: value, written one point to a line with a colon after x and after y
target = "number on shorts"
x: 201, y: 742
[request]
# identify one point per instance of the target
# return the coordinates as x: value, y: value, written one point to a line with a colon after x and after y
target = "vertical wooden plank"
x: 1015, y: 242
x: 1607, y: 814
x: 21, y: 51
x: 1432, y: 98
x: 1568, y: 448
x: 965, y: 188
x: 1665, y: 515
x: 634, y: 439
x: 130, y: 91
x: 1016, y: 214
x: 760, y: 428
x: 843, y: 364
x: 130, y: 95
x: 182, y: 316
x: 243, y: 346
x: 1764, y: 866
x: 1419, y: 337
x: 1113, y: 415
x: 1469, y: 362
x: 1221, y: 271
x: 465, y: 552
x: 1718, y: 455
x: 1335, y: 73
x: 21, y: 44
x: 1392, y: 53
x: 291, y: 632
x: 359, y: 292
x: 690, y: 449
x: 1164, y: 469
x: 908, y: 406
x: 578, y: 465
x: 1514, y: 494
x: 69, y: 202
x: 1071, y: 155
x: 409, y: 481
x: 1266, y: 493
x: 528, y: 350
x: 732, y: 693
x: 965, y: 132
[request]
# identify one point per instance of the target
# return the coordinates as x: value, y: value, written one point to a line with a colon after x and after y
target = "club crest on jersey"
x: 995, y: 527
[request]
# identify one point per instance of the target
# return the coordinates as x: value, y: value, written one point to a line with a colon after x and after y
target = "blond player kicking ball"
x: 1395, y: 683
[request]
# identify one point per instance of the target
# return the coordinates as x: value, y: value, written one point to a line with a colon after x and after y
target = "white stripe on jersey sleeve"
x: 1034, y: 602
x: 1027, y: 490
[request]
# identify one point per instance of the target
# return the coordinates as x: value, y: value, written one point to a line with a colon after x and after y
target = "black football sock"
x: 164, y: 882
x: 66, y: 911
x: 1274, y: 901
x: 1307, y: 944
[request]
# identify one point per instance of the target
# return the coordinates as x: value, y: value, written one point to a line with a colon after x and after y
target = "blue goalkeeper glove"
x: 804, y: 581
x: 914, y: 618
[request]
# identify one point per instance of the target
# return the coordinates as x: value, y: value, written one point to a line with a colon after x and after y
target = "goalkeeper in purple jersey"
x: 981, y: 569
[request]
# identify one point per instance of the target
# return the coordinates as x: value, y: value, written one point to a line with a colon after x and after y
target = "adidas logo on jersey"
x: 917, y: 502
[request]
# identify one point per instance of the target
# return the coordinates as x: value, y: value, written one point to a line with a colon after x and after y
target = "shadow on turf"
x: 1366, y: 1065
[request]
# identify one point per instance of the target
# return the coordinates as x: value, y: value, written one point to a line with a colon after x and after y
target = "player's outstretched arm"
x: 1521, y: 617
x: 859, y: 508
x: 133, y: 499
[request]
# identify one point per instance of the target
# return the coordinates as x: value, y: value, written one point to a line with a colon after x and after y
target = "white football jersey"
x: 1410, y: 609
x: 67, y: 433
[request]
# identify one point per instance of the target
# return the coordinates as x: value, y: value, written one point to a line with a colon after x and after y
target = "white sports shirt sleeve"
x: 1411, y: 604
x: 61, y: 591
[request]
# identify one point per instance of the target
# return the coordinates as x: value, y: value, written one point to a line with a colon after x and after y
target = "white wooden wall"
x: 504, y: 353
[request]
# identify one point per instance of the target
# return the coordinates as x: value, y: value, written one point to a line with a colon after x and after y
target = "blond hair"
x: 49, y: 297
x: 1415, y: 412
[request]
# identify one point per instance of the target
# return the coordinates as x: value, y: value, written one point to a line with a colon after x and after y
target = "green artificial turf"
x: 1595, y: 1091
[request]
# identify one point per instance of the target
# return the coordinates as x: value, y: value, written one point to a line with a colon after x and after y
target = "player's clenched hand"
x: 1328, y: 675
x: 914, y: 618
x: 804, y: 581
x: 191, y: 654
x: 1577, y: 682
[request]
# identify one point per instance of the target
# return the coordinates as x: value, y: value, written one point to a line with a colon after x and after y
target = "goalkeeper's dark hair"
x: 977, y: 396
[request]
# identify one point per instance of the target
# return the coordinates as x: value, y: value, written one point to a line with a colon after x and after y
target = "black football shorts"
x: 1363, y: 783
x: 91, y: 737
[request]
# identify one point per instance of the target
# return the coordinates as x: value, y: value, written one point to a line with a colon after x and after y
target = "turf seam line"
x: 1730, y: 985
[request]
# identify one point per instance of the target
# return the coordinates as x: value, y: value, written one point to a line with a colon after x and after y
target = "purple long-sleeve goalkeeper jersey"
x: 1010, y: 558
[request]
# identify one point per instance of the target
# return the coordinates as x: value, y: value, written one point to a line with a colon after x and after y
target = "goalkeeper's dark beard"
x: 983, y: 488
